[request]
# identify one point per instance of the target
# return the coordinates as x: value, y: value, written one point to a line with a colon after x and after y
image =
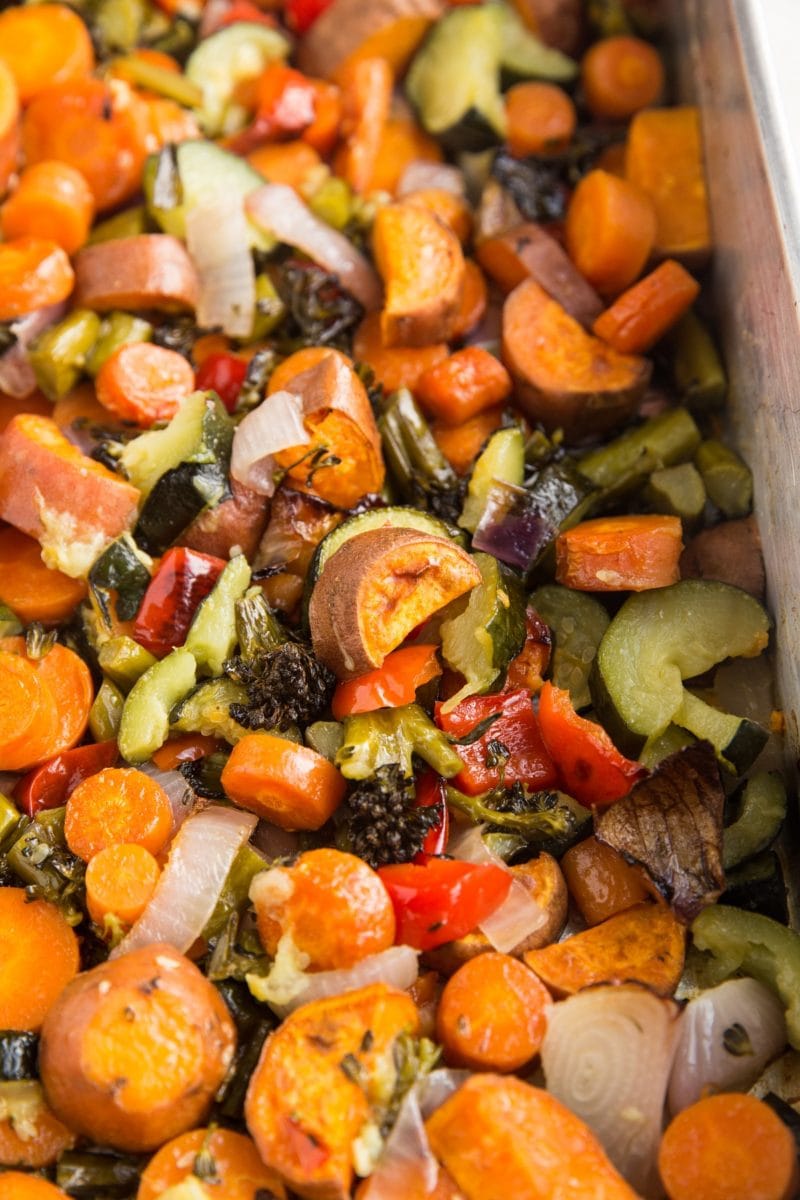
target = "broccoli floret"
x: 394, y: 735
x: 285, y: 686
x: 381, y: 824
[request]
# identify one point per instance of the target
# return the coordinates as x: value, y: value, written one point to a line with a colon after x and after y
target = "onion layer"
x: 288, y: 986
x: 519, y: 915
x: 422, y: 174
x: 182, y: 798
x: 16, y: 373
x: 217, y: 240
x: 275, y: 425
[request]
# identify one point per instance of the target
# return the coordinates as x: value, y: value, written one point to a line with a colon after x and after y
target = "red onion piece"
x: 275, y: 425
x: 16, y: 373
x: 218, y: 242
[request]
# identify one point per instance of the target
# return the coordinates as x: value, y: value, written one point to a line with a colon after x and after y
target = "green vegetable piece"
x: 758, y: 885
x: 212, y: 634
x: 728, y: 480
x: 84, y: 1173
x: 9, y: 817
x: 269, y: 311
x: 696, y: 366
x: 106, y: 712
x: 502, y: 460
x: 488, y: 632
x: 663, y: 744
x: 129, y: 223
x: 761, y: 814
x: 172, y: 84
x: 124, y: 661
x: 145, y: 717
x: 578, y: 623
x: 200, y: 434
x: 678, y: 491
x: 736, y: 740
x: 40, y: 859
x: 10, y: 624
x: 118, y: 24
x: 123, y: 569
x: 235, y: 894
x: 221, y: 63
x: 524, y: 56
x: 756, y: 946
x: 206, y: 710
x: 333, y: 202
x: 258, y: 630
x: 117, y: 329
x: 326, y: 737
x: 621, y: 466
x: 553, y: 822
x: 416, y: 464
x: 394, y: 735
x: 58, y: 355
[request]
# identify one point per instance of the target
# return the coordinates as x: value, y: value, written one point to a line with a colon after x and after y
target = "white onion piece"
x: 738, y: 1006
x: 275, y: 425
x: 421, y: 174
x: 16, y: 373
x: 278, y: 209
x: 191, y: 883
x: 218, y: 241
x: 398, y: 967
x: 182, y: 798
x: 519, y: 915
x: 607, y: 1055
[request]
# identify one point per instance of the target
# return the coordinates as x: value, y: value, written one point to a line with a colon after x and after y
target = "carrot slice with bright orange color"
x: 621, y: 75
x: 366, y: 102
x: 467, y: 383
x: 239, y: 1172
x: 617, y: 554
x: 644, y: 313
x: 31, y: 589
x: 17, y: 1185
x: 461, y: 444
x: 67, y: 684
x: 34, y: 272
x: 290, y: 785
x: 24, y: 709
x: 117, y: 805
x: 46, y: 1139
x: 52, y: 200
x: 144, y: 383
x: 540, y: 118
x: 394, y: 366
x: 44, y: 44
x: 38, y: 957
x: 120, y: 880
x: 9, y: 125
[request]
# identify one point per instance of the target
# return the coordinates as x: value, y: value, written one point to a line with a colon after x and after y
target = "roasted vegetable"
x: 391, y: 736
x: 381, y: 821
x: 285, y: 686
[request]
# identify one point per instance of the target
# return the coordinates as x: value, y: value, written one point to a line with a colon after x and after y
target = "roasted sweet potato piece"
x: 148, y: 270
x: 307, y: 1099
x: 564, y: 377
x: 730, y: 552
x: 238, y: 521
x: 376, y: 588
x: 350, y: 29
x: 558, y: 23
x: 528, y: 252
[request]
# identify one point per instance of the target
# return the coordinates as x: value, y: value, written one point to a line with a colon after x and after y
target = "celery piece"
x: 106, y: 712
x: 124, y: 661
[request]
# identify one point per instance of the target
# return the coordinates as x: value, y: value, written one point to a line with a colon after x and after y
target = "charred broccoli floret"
x: 285, y: 686
x: 381, y: 824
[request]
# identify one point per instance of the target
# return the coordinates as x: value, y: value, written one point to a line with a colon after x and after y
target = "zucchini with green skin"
x: 578, y: 623
x: 59, y: 355
x: 206, y: 710
x: 106, y: 712
x: 124, y: 661
x: 727, y: 479
x: 736, y: 740
x: 145, y: 718
x: 394, y: 735
x: 502, y: 460
x: 212, y: 634
x: 225, y: 61
x: 123, y: 569
x: 762, y: 812
x: 677, y: 491
x: 758, y: 886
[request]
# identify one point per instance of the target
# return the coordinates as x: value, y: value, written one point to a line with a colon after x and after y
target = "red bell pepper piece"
x: 512, y: 741
x: 528, y: 668
x: 238, y: 10
x: 51, y: 784
x: 184, y: 578
x: 392, y: 685
x: 430, y: 793
x: 223, y: 374
x: 439, y: 900
x: 187, y: 747
x: 301, y: 14
x: 590, y: 766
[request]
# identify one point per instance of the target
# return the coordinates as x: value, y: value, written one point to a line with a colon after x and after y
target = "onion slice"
x: 728, y: 1035
x: 519, y: 916
x: 191, y: 883
x: 421, y: 174
x: 218, y: 242
x: 286, y: 989
x: 278, y: 209
x: 607, y: 1055
x: 16, y: 373
x: 180, y: 793
x: 275, y: 425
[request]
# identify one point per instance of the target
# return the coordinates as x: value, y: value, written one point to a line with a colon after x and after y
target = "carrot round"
x: 44, y: 44
x: 144, y: 383
x: 461, y: 444
x: 120, y: 881
x: 474, y: 298
x: 290, y: 785
x: 620, y: 75
x: 38, y: 958
x: 492, y: 1014
x: 9, y: 125
x: 61, y: 710
x: 239, y: 1172
x: 394, y: 366
x: 642, y: 315
x: 34, y: 272
x: 17, y: 1185
x: 25, y: 710
x: 31, y: 589
x: 600, y: 882
x: 465, y: 384
x: 44, y: 1142
x: 728, y: 1147
x: 610, y: 231
x: 117, y: 805
x: 540, y: 118
x: 615, y: 554
x: 52, y: 200
x: 285, y: 162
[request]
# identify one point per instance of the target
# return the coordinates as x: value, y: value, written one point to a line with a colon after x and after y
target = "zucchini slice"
x: 737, y: 741
x: 205, y: 710
x: 578, y: 622
x: 502, y: 460
x: 375, y: 518
x: 223, y: 62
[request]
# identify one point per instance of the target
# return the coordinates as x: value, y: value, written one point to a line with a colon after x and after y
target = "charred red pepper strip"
x: 430, y: 793
x: 187, y: 748
x: 392, y: 685
x: 511, y: 749
x: 184, y: 578
x: 589, y: 765
x: 223, y: 374
x: 51, y: 785
x: 301, y: 14
x: 439, y: 900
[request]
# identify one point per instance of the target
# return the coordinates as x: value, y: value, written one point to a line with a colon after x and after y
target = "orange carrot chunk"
x: 9, y: 125
x: 18, y: 1185
x: 285, y: 162
x: 642, y: 315
x: 38, y: 958
x: 621, y: 75
x: 52, y: 200
x: 467, y: 383
x: 394, y: 366
x: 117, y: 805
x: 610, y: 231
x: 239, y: 1172
x: 290, y: 785
x: 540, y: 118
x: 34, y: 272
x: 44, y: 44
x: 617, y: 554
x: 31, y: 589
x: 144, y: 383
x: 120, y: 881
x: 63, y: 695
x: 474, y: 298
x: 600, y: 881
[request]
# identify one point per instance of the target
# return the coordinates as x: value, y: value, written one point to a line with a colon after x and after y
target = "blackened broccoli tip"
x: 285, y: 686
x: 382, y: 824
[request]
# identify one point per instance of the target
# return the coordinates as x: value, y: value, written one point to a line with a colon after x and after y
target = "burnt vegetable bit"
x: 320, y: 311
x: 381, y: 824
x: 285, y: 686
x: 178, y: 333
x: 540, y: 187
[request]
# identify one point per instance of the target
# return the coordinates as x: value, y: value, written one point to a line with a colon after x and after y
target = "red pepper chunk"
x: 301, y: 14
x: 590, y: 766
x: 392, y: 685
x: 511, y: 749
x: 440, y: 900
x: 223, y: 374
x: 183, y: 579
x: 430, y: 793
x: 51, y: 785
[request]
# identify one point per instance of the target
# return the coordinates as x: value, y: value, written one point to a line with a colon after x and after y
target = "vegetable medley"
x: 388, y: 752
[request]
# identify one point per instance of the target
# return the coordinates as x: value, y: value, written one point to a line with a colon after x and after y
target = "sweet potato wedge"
x: 645, y: 944
x: 543, y: 879
x: 307, y: 1099
x: 422, y: 266
x: 149, y: 270
x: 528, y: 252
x: 350, y: 29
x: 238, y: 521
x: 559, y: 23
x: 730, y: 552
x: 68, y: 502
x: 563, y: 376
x: 376, y: 588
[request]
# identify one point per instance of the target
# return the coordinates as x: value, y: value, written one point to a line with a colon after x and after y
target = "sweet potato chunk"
x: 528, y: 252
x: 350, y: 29
x: 148, y: 270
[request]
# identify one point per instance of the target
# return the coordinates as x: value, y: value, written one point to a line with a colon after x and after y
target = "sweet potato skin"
x: 558, y: 23
x: 302, y: 1110
x: 528, y: 252
x: 730, y: 552
x: 148, y: 270
x: 344, y: 28
x: 154, y: 983
x: 239, y: 521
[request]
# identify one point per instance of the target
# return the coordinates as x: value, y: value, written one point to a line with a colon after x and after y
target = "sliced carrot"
x: 25, y: 710
x: 610, y: 231
x: 12, y: 406
x: 53, y: 201
x: 394, y: 366
x: 402, y: 142
x: 31, y: 589
x: 620, y: 76
x: 465, y: 384
x: 290, y: 785
x: 461, y: 444
x: 728, y: 1147
x: 62, y: 713
x: 38, y: 958
x: 452, y: 209
x: 186, y: 748
x: 617, y: 554
x: 642, y: 315
x: 45, y: 1140
x: 393, y: 684
x: 239, y: 1172
x: 17, y: 1185
x: 9, y: 125
x: 540, y: 118
x: 34, y: 272
x: 144, y: 383
x: 474, y: 298
x: 117, y: 805
x: 44, y: 44
x: 120, y: 881
x: 366, y: 100
x: 297, y: 363
x: 600, y: 882
x: 492, y: 1015
x: 285, y: 162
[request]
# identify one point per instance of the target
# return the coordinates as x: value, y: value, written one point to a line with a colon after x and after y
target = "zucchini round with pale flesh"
x: 578, y: 623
